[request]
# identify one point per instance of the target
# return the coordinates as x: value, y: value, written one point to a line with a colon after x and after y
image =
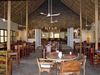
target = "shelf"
x: 3, y: 63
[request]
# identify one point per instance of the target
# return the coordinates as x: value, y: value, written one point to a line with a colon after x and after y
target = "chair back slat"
x: 44, y: 65
x: 70, y: 67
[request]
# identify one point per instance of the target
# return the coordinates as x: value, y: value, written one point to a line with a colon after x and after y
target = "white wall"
x: 62, y: 35
x: 45, y: 35
x: 37, y: 37
x: 21, y: 35
x: 93, y: 29
x: 3, y: 25
x: 99, y: 32
x: 88, y: 34
x: 85, y: 34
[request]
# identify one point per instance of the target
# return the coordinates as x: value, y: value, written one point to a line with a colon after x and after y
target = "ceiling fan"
x: 21, y: 26
x: 53, y: 21
x: 49, y: 14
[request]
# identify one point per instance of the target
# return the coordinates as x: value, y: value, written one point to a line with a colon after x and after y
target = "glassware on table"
x: 57, y: 51
x: 70, y: 53
x: 60, y: 55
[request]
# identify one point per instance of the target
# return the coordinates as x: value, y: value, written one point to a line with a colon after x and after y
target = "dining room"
x: 49, y: 37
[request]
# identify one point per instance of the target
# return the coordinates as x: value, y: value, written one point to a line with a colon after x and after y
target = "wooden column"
x: 8, y: 29
x: 8, y: 24
x: 96, y: 24
x: 80, y: 26
x: 26, y: 20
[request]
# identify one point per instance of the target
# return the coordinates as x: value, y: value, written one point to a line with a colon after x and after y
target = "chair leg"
x: 78, y: 73
x: 17, y: 61
x: 49, y: 72
x: 83, y: 71
x: 60, y: 73
x: 39, y: 73
x: 10, y: 68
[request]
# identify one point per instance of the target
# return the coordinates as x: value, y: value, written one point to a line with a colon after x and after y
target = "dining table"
x: 64, y: 57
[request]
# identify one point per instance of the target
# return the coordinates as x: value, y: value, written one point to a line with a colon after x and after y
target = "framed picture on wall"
x: 31, y: 33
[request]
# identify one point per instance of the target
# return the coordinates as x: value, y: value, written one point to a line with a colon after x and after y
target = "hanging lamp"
x: 4, y: 20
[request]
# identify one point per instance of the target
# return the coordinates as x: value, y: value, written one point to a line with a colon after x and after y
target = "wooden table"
x: 65, y: 57
x: 97, y: 57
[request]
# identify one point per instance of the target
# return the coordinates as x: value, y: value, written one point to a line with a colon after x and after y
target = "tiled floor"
x: 29, y: 66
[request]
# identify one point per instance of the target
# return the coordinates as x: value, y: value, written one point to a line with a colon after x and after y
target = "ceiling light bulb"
x: 41, y: 13
x: 75, y: 31
x: 3, y: 20
x: 86, y: 25
x: 48, y: 14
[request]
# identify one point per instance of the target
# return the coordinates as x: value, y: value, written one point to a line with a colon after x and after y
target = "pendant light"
x: 21, y: 19
x: 4, y: 20
x: 86, y: 19
x: 51, y: 17
x: 49, y: 14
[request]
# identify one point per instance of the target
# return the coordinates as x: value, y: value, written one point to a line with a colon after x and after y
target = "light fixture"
x: 53, y: 21
x: 86, y: 20
x: 49, y: 14
x: 3, y: 19
x: 20, y: 25
x: 51, y: 18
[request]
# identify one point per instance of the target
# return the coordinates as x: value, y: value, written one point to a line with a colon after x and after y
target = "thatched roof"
x: 69, y: 9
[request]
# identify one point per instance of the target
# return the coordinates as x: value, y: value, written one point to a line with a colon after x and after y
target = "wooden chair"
x: 10, y: 66
x: 70, y: 67
x: 15, y: 54
x: 44, y: 65
x: 24, y: 49
x: 5, y: 64
x: 83, y: 63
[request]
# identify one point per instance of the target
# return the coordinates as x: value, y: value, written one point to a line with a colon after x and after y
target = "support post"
x: 80, y: 26
x: 8, y: 29
x: 26, y: 20
x: 96, y: 24
x: 8, y: 25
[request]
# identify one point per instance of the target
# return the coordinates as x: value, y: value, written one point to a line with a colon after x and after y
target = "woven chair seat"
x: 2, y: 71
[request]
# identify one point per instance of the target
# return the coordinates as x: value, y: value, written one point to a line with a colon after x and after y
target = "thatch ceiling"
x: 67, y: 18
x: 18, y: 9
x: 69, y: 9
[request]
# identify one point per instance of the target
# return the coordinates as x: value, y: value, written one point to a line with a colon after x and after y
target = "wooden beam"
x: 80, y: 26
x: 26, y: 20
x: 96, y: 24
x: 8, y: 28
x: 9, y: 25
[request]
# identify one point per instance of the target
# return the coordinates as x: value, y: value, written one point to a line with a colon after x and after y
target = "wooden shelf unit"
x: 3, y: 63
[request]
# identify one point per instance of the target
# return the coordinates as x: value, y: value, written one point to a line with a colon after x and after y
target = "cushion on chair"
x: 2, y: 71
x: 45, y: 66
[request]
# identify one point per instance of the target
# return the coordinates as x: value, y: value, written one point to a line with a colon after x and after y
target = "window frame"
x: 5, y: 35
